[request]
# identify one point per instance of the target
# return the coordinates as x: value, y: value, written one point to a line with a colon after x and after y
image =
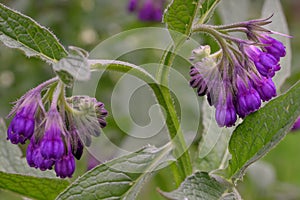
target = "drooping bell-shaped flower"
x: 22, y: 125
x: 248, y: 99
x: 52, y: 144
x: 34, y: 157
x: 65, y: 166
x: 225, y: 111
x: 264, y: 86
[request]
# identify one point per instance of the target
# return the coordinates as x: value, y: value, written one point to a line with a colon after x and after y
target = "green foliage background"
x: 85, y: 23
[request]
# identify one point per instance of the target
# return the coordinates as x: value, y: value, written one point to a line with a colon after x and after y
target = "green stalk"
x: 175, y: 132
x: 163, y: 96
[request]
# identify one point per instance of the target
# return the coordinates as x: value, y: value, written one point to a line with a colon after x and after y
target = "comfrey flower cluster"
x: 49, y: 122
x: 148, y: 10
x: 239, y: 76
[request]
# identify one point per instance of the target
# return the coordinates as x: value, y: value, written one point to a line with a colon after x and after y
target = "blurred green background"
x: 85, y: 23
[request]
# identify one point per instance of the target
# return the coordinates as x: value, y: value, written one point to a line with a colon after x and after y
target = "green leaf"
x: 213, y: 146
x: 33, y: 187
x: 121, y: 178
x: 74, y: 66
x: 11, y: 158
x: 279, y: 24
x: 22, y: 32
x: 199, y: 186
x: 262, y: 130
x: 206, y: 10
x: 180, y: 14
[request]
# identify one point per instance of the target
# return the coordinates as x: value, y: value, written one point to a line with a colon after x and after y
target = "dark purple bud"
x: 65, y: 166
x: 264, y: 86
x: 248, y: 99
x: 209, y: 99
x: 197, y: 81
x: 101, y: 114
x: 77, y: 149
x: 273, y: 46
x: 52, y: 145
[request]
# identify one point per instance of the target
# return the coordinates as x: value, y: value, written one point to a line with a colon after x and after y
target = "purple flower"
x: 57, y: 136
x: 225, y: 111
x: 89, y: 117
x: 65, y: 166
x: 22, y: 125
x: 248, y: 99
x: 238, y: 76
x: 273, y: 46
x: 148, y: 10
x: 34, y: 157
x: 52, y: 144
x: 265, y: 63
x: 264, y: 86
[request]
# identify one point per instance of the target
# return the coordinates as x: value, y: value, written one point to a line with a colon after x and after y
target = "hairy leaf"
x: 121, y: 178
x: 206, y: 10
x: 10, y: 157
x: 262, y: 130
x: 22, y: 32
x: 33, y: 187
x: 199, y: 186
x: 180, y: 14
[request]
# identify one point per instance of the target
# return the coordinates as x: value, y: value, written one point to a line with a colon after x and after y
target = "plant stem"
x: 162, y: 93
x: 176, y: 135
